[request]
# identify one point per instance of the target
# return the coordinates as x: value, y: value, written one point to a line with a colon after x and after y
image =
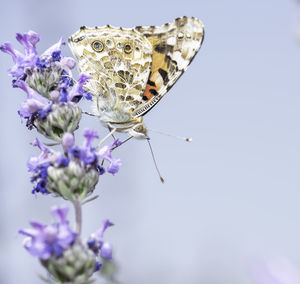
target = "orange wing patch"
x: 158, y: 75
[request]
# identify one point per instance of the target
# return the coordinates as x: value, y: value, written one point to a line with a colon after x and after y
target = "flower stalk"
x: 52, y: 108
x: 78, y: 216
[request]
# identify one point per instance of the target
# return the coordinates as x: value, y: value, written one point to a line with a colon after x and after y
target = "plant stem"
x: 78, y: 216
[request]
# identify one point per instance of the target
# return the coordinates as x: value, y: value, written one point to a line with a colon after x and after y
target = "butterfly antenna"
x: 171, y: 135
x: 160, y: 177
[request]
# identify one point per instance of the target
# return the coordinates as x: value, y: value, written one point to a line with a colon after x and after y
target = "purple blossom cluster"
x: 45, y: 79
x: 86, y: 156
x: 51, y: 107
x: 46, y: 241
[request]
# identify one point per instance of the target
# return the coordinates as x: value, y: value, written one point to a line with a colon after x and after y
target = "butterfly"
x: 132, y: 69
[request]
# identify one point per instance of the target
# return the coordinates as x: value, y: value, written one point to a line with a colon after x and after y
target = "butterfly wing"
x: 119, y: 62
x: 174, y: 46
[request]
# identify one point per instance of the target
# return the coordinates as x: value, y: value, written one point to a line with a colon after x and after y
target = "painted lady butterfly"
x: 132, y: 69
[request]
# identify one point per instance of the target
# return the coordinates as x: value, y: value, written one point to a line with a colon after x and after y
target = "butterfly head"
x: 139, y: 131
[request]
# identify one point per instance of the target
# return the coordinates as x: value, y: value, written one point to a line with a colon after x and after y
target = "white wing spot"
x: 180, y: 35
x: 171, y: 41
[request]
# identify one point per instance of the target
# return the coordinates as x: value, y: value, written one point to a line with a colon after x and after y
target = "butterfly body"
x: 132, y: 69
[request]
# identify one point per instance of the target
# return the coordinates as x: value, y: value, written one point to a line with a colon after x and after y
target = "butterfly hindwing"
x: 174, y: 46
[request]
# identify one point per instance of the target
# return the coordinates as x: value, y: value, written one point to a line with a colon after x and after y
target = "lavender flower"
x: 51, y: 107
x: 39, y: 166
x: 35, y: 105
x: 86, y: 153
x: 52, y: 94
x: 77, y: 91
x: 76, y: 265
x: 105, y: 153
x: 26, y: 60
x: 45, y: 241
x: 74, y: 173
x: 97, y: 244
x: 64, y: 255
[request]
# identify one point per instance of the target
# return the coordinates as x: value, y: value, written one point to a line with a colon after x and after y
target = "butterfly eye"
x: 127, y: 48
x: 98, y: 46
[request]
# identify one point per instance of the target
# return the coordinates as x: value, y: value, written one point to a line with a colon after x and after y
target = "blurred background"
x: 231, y: 197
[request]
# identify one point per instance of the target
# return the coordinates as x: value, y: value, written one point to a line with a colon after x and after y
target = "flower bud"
x: 55, y: 95
x: 68, y: 140
x: 64, y: 117
x: 68, y: 62
x: 74, y: 180
x: 76, y: 265
x: 43, y: 80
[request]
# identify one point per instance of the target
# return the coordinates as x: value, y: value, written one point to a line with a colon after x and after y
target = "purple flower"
x: 89, y: 135
x: 106, y: 250
x: 105, y: 153
x: 45, y: 241
x: 98, y: 266
x: 97, y: 244
x: 39, y: 166
x: 67, y: 63
x: 42, y: 64
x: 62, y: 161
x: 86, y: 153
x: 26, y: 60
x: 68, y: 140
x: 56, y: 55
x: 77, y: 91
x: 44, y: 157
x: 35, y: 103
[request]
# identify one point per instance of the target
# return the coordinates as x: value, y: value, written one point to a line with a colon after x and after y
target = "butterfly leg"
x: 110, y: 129
x: 106, y: 137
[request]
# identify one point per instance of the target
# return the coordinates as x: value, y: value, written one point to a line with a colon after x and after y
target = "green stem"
x: 78, y: 216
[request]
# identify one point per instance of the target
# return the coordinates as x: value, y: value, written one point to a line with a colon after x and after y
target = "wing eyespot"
x: 98, y: 46
x: 127, y: 48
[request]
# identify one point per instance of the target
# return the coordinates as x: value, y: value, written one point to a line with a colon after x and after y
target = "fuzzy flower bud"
x: 59, y: 250
x: 68, y: 140
x: 74, y: 173
x: 64, y: 117
x: 76, y: 265
x: 72, y: 180
x: 54, y: 95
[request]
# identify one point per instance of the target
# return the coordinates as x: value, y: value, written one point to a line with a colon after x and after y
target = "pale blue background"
x: 230, y: 198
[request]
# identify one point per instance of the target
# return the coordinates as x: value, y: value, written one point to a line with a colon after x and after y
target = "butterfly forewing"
x: 174, y: 46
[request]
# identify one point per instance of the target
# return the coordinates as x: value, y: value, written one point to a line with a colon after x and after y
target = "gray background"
x: 230, y: 198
